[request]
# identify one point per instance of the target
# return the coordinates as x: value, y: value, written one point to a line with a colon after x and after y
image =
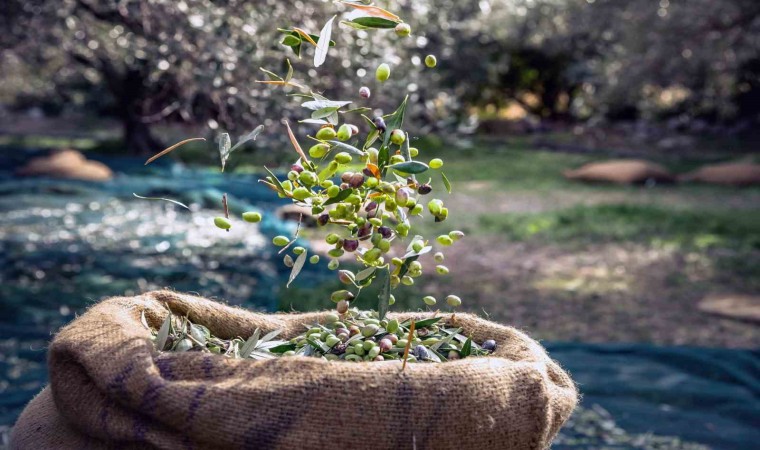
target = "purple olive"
x: 379, y: 123
x: 385, y: 345
x: 370, y: 206
x: 350, y: 245
x: 364, y: 92
x: 489, y: 345
x: 323, y: 219
x: 296, y: 168
x: 385, y: 232
x: 356, y: 180
x: 421, y: 352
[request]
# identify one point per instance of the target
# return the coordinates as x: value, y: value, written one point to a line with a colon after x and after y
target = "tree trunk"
x: 138, y: 138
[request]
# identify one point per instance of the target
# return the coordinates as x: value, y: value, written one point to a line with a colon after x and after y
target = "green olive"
x: 453, y: 301
x: 252, y: 217
x: 383, y: 72
x: 326, y: 133
x: 436, y: 163
x: 319, y: 150
x: 222, y: 223
x: 431, y: 61
x: 344, y: 132
x: 280, y: 241
x: 429, y: 300
x: 343, y: 158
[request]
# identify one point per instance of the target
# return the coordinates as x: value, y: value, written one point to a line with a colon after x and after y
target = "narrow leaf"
x: 446, y: 182
x: 297, y: 266
x: 271, y: 335
x: 289, y: 75
x: 414, y: 167
x: 173, y: 147
x: 271, y: 75
x: 371, y: 22
x: 248, y: 137
x: 323, y: 44
x: 466, y: 348
x: 224, y: 148
x: 395, y: 120
x: 163, y: 332
x: 323, y: 112
x: 364, y: 274
x: 161, y: 198
x: 374, y: 11
x: 293, y: 141
x: 305, y: 35
x: 320, y: 104
x: 250, y: 344
x: 346, y: 147
x: 314, y: 121
x: 384, y: 296
x: 408, y: 344
x: 342, y: 195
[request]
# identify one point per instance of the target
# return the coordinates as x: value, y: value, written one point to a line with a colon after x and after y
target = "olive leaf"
x: 324, y: 112
x: 323, y: 44
x: 314, y: 121
x: 324, y: 103
x: 170, y: 149
x: 297, y: 266
x: 423, y: 323
x: 348, y: 148
x: 394, y: 121
x: 163, y: 332
x: 364, y: 274
x: 422, y: 251
x: 250, y: 344
x: 282, y: 348
x: 161, y: 198
x: 466, y: 348
x: 247, y: 138
x: 364, y: 23
x: 318, y: 345
x: 373, y: 11
x: 276, y: 181
x: 342, y: 195
x: 289, y: 76
x: 413, y: 167
x: 384, y: 296
x: 446, y: 182
x: 224, y: 148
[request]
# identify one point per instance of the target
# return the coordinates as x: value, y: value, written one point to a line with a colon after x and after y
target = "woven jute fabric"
x: 110, y: 388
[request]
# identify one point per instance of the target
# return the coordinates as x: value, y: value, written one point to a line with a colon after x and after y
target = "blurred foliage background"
x: 693, y: 62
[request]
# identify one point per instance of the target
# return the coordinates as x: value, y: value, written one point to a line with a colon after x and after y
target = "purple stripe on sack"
x: 208, y: 365
x: 117, y: 385
x: 194, y: 405
x: 165, y: 368
x: 147, y: 406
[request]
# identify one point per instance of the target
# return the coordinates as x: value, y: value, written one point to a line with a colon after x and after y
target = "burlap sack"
x: 109, y: 388
x: 621, y: 171
x: 730, y: 174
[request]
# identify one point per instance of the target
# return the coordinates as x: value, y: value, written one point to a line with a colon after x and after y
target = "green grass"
x: 689, y: 228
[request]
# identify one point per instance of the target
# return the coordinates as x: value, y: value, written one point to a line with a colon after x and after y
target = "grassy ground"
x: 596, y: 263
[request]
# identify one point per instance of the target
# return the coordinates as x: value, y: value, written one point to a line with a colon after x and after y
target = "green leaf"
x: 418, y: 324
x: 247, y: 138
x: 319, y: 104
x: 271, y: 335
x: 323, y: 112
x: 383, y: 157
x: 346, y: 147
x: 291, y: 41
x: 273, y: 76
x: 446, y: 182
x: 323, y: 44
x: 275, y: 180
x: 405, y: 266
x: 282, y: 348
x: 163, y: 332
x: 466, y: 348
x: 371, y: 138
x: 250, y: 344
x: 395, y: 120
x: 385, y: 294
x: 314, y: 121
x: 318, y: 345
x: 161, y: 198
x: 364, y: 274
x: 297, y: 266
x: 342, y: 195
x: 224, y: 148
x: 414, y: 167
x: 289, y: 76
x: 422, y: 251
x: 373, y: 22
